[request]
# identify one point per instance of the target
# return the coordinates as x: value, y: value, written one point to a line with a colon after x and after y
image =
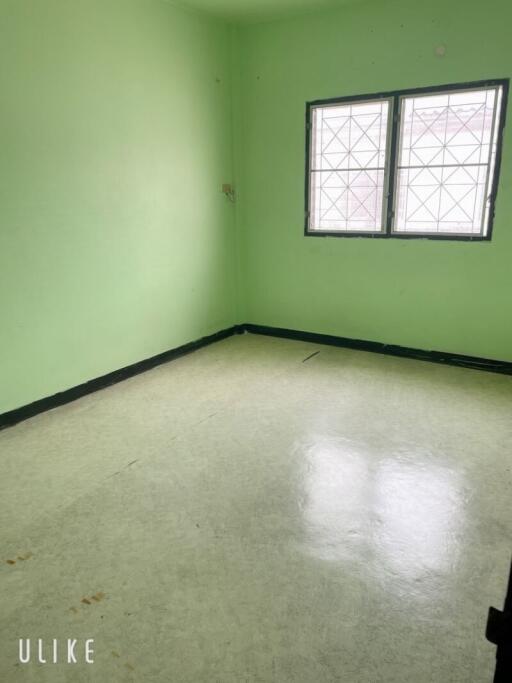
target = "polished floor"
x: 243, y: 514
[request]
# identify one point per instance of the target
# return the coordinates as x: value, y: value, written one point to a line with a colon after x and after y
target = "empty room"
x: 255, y: 341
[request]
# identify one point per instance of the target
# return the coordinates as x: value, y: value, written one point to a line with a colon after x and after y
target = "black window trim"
x: 389, y: 189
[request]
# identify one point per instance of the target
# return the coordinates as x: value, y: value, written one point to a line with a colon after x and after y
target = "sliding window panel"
x: 348, y: 159
x: 446, y: 162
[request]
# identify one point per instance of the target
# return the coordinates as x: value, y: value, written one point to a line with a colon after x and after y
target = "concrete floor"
x: 240, y: 515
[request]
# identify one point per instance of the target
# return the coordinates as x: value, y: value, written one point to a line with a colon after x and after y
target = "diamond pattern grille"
x: 348, y: 157
x: 445, y: 162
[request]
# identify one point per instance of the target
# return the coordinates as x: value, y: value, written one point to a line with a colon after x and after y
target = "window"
x: 414, y: 163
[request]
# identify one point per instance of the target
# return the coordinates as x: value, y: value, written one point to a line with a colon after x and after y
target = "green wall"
x: 119, y: 121
x: 115, y: 137
x: 448, y: 296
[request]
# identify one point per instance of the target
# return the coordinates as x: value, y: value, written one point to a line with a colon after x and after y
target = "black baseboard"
x: 502, y: 367
x: 24, y: 412
x: 12, y: 417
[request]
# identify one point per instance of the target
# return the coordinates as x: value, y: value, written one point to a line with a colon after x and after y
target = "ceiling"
x: 260, y: 10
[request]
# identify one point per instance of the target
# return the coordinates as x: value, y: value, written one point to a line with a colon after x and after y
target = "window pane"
x: 446, y: 161
x: 348, y: 156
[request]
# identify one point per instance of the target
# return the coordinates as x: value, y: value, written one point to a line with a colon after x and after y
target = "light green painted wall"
x: 115, y: 137
x: 448, y: 296
x: 117, y: 124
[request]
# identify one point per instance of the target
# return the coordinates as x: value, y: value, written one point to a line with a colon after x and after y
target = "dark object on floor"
x: 499, y: 632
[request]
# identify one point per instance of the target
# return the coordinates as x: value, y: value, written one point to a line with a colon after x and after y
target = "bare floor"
x: 243, y: 514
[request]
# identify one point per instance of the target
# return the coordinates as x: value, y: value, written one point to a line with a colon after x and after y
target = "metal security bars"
x: 413, y: 163
x: 348, y: 164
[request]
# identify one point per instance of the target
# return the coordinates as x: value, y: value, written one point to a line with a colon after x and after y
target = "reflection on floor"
x: 240, y: 515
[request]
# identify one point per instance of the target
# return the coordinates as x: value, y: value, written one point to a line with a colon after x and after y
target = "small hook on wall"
x: 229, y: 191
